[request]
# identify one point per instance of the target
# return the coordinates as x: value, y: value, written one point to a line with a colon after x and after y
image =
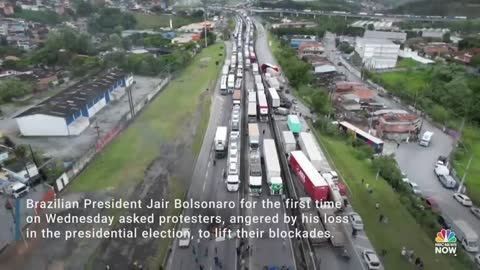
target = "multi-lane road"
x: 208, y: 185
x: 326, y: 256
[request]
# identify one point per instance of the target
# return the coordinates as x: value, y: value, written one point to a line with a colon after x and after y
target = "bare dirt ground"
x: 175, y: 162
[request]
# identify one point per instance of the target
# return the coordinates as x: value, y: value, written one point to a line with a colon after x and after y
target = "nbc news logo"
x: 446, y: 242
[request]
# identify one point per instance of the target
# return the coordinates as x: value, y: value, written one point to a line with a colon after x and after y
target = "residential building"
x: 25, y: 173
x: 68, y: 113
x: 466, y: 56
x: 310, y: 48
x: 6, y: 8
x: 41, y: 77
x: 392, y: 36
x: 377, y: 53
x: 342, y: 87
x: 398, y: 127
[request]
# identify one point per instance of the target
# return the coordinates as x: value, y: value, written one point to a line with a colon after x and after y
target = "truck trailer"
x: 294, y: 124
x: 289, y: 142
x: 254, y: 172
x: 314, y: 184
x: 237, y: 97
x: 272, y: 166
x: 274, y: 97
x: 220, y: 142
x: 310, y: 148
x: 253, y: 135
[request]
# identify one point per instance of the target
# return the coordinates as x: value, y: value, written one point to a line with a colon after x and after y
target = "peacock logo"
x: 445, y: 236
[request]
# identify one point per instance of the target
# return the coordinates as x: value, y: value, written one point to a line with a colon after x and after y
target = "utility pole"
x: 205, y: 23
x: 465, y: 174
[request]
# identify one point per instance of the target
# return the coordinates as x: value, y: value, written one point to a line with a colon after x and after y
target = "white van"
x: 426, y: 138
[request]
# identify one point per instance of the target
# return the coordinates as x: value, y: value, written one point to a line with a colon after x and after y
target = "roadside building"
x: 437, y: 49
x: 297, y: 40
x: 17, y: 172
x: 392, y: 36
x: 398, y: 127
x: 68, y: 113
x: 343, y: 87
x: 40, y: 77
x: 465, y: 57
x: 377, y: 53
x: 310, y: 48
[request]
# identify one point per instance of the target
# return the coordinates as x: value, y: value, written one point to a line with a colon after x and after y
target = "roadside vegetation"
x: 155, y: 21
x: 440, y: 8
x: 451, y: 96
x: 312, y: 5
x: 406, y: 213
x: 160, y: 123
x: 408, y: 63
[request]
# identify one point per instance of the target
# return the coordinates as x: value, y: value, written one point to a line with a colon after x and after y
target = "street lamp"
x: 465, y: 174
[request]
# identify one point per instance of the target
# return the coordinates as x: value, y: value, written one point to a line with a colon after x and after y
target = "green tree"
x: 12, y: 88
x: 321, y: 102
x: 475, y: 61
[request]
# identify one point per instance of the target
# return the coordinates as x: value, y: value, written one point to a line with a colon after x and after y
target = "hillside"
x: 470, y: 8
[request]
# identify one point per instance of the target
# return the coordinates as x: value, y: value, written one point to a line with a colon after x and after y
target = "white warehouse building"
x: 377, y: 53
x: 68, y: 113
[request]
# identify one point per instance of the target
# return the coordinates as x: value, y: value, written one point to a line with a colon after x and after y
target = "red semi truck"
x: 315, y: 186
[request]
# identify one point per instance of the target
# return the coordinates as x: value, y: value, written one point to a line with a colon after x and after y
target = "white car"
x: 184, y: 241
x: 356, y: 221
x: 415, y: 188
x: 463, y: 199
x: 233, y: 155
x: 371, y: 259
x: 475, y: 211
x: 234, y: 135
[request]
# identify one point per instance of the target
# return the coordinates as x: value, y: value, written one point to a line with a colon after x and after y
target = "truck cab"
x: 16, y: 190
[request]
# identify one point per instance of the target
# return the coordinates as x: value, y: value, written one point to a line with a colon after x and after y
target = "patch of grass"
x: 471, y: 138
x: 197, y: 142
x: 407, y: 63
x: 410, y: 81
x: 124, y: 161
x: 402, y: 229
x: 149, y: 21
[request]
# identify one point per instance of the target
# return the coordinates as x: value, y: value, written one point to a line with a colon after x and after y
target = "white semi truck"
x: 272, y: 166
x: 310, y: 149
x: 220, y: 142
x: 274, y: 97
x: 289, y: 142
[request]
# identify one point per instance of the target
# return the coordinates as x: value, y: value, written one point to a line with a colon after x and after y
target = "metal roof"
x: 76, y: 97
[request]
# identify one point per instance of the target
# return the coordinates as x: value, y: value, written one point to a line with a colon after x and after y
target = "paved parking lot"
x: 7, y: 223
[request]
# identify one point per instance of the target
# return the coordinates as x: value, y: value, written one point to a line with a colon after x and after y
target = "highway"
x: 325, y: 256
x: 208, y: 184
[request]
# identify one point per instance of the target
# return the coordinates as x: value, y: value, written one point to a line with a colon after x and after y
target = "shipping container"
x: 314, y: 184
x: 294, y: 124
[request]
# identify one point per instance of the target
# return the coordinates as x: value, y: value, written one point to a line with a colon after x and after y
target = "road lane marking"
x: 203, y: 188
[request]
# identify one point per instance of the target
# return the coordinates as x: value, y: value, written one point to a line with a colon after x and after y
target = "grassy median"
x: 401, y: 230
x: 124, y: 161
